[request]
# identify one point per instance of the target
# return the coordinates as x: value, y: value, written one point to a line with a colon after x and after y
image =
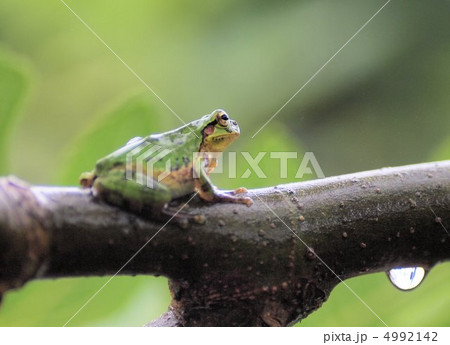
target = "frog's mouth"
x: 225, y: 137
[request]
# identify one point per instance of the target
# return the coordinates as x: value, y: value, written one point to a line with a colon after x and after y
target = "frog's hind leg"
x: 116, y: 189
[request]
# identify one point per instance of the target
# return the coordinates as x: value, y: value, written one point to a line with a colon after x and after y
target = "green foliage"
x: 125, y: 301
x: 442, y: 151
x: 135, y: 116
x: 13, y: 87
x: 280, y: 140
x: 392, y: 305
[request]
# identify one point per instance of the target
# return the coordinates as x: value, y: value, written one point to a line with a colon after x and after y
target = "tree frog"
x: 147, y: 173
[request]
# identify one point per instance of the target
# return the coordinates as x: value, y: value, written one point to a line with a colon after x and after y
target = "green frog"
x: 149, y: 172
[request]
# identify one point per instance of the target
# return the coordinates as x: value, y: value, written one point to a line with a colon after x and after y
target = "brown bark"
x: 270, y: 264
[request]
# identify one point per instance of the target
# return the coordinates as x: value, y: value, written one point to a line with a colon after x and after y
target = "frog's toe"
x: 240, y: 190
x: 247, y: 201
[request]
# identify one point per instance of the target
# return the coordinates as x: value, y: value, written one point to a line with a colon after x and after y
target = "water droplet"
x: 406, y: 278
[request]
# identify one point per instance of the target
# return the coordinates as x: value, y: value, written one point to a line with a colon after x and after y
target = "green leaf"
x: 442, y: 151
x: 124, y: 301
x: 246, y: 151
x: 136, y: 116
x: 13, y: 88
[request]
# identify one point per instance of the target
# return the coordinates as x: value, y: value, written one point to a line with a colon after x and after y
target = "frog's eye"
x: 222, y: 119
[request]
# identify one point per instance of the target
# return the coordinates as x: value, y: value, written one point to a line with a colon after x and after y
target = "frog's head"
x: 218, y: 131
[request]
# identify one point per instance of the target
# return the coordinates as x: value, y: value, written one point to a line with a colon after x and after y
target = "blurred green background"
x: 66, y: 100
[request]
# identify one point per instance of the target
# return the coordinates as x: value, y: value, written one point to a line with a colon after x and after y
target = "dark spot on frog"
x: 186, y: 161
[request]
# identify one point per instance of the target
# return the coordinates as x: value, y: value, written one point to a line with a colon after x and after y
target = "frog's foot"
x: 87, y: 179
x: 219, y: 196
x: 245, y: 200
x: 230, y: 196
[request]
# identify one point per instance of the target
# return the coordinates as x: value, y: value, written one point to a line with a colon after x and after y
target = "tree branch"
x: 270, y: 264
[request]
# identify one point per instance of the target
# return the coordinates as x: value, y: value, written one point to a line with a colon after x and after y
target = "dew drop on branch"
x: 406, y: 278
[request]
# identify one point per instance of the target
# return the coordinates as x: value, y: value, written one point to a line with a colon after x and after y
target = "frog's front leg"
x: 208, y: 192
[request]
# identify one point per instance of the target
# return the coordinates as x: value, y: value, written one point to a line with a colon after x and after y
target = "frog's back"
x: 170, y: 153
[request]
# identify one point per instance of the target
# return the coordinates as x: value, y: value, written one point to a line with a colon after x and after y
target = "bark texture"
x: 270, y: 264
